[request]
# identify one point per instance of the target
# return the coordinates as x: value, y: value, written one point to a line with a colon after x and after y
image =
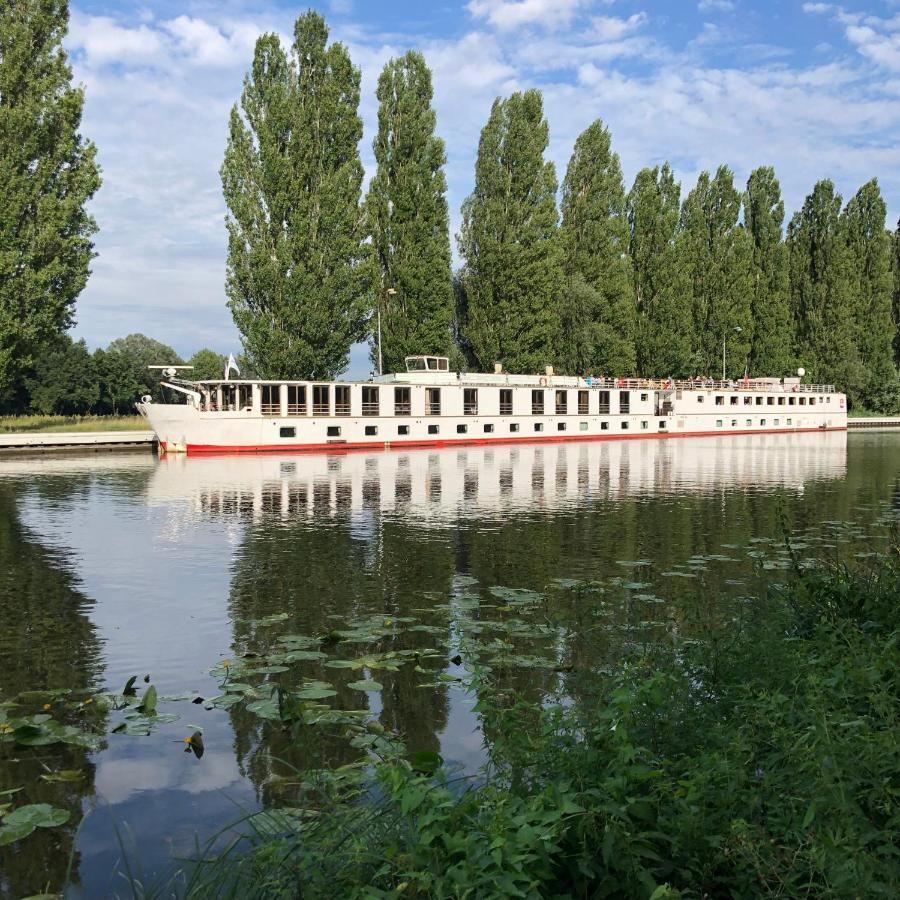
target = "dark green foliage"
x: 119, y: 383
x: 895, y: 266
x: 719, y: 256
x: 660, y: 274
x: 821, y: 293
x: 871, y: 284
x: 137, y: 352
x: 208, y: 365
x: 297, y: 281
x: 407, y: 217
x: 47, y: 174
x: 597, y: 309
x: 63, y: 380
x: 773, y: 339
x: 509, y: 240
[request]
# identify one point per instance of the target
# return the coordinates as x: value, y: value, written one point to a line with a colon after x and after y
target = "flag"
x: 231, y: 364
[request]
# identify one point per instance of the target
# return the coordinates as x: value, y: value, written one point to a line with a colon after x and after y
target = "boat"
x: 430, y: 405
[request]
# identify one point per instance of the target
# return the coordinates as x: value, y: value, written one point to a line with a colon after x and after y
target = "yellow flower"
x: 5, y: 728
x: 226, y: 663
x: 187, y: 740
x: 46, y: 706
x: 89, y: 700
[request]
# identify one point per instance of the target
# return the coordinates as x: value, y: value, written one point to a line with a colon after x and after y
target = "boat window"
x: 342, y: 400
x: 433, y: 429
x: 748, y: 401
x: 560, y: 426
x: 792, y: 401
x: 514, y: 426
x: 699, y: 398
x: 762, y: 422
x: 644, y: 397
x: 229, y: 397
x: 271, y: 400
x: 245, y: 397
x: 462, y: 429
x: 662, y: 423
x: 401, y: 401
x: 333, y: 431
x: 287, y: 432
x: 759, y: 401
x: 415, y: 364
x: 321, y: 400
x: 371, y: 430
x: 370, y: 400
x: 470, y: 401
x: 734, y: 423
x: 296, y: 400
x: 403, y: 429
x: 812, y: 401
x: 488, y: 428
x: 803, y: 401
x: 538, y: 426
x: 432, y: 401
x: 604, y: 426
x: 749, y: 422
x: 432, y: 363
x: 583, y: 426
x: 561, y: 402
x: 781, y: 401
x: 720, y: 400
x: 583, y: 401
x: 624, y: 426
x: 624, y: 401
x: 645, y: 425
x: 770, y: 401
x: 734, y: 401
x: 443, y: 364
x: 537, y: 403
x: 505, y: 402
x: 789, y: 421
x: 604, y: 402
x: 718, y: 423
x: 776, y: 421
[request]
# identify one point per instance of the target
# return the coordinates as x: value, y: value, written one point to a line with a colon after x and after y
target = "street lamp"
x: 737, y: 330
x: 390, y: 292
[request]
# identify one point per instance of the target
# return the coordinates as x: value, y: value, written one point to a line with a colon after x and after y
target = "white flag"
x: 231, y: 364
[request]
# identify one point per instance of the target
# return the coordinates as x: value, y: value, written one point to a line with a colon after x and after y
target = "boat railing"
x: 708, y: 384
x: 370, y: 409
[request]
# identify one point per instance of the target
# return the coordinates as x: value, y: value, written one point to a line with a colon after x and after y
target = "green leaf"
x: 426, y: 761
x: 38, y: 815
x: 365, y: 685
x: 314, y: 693
x: 148, y: 702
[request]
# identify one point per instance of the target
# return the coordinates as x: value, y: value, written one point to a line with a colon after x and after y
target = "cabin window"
x: 403, y: 429
x: 582, y: 426
x: 462, y: 429
x: 734, y: 423
x: 812, y: 401
x: 604, y: 402
x: 561, y: 402
x: 828, y: 399
x: 644, y: 397
x: 296, y: 400
x: 748, y: 401
x: 432, y: 363
x: 432, y: 401
x: 770, y: 401
x: 342, y: 400
x: 560, y: 426
x: 333, y: 431
x: 781, y: 401
x: 604, y: 426
x: 803, y: 401
x: 699, y: 398
x: 734, y: 401
x: 538, y: 426
x: 762, y: 423
x: 792, y: 401
x: 270, y: 404
x: 789, y: 421
x: 505, y: 402
x: 434, y: 429
x: 624, y: 401
x: 287, y: 432
x: 776, y: 422
x: 371, y: 430
x: 624, y: 426
x: 718, y: 423
x: 513, y: 426
x: 321, y: 400
x: 401, y: 401
x: 470, y: 401
x: 583, y: 403
x: 488, y: 429
x: 759, y: 401
x: 537, y: 403
x: 229, y: 397
x: 720, y: 400
x: 370, y: 405
x: 443, y: 365
x: 662, y: 423
x: 749, y: 422
x: 245, y: 397
x: 645, y: 425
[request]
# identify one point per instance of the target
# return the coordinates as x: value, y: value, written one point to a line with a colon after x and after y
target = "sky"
x: 810, y: 88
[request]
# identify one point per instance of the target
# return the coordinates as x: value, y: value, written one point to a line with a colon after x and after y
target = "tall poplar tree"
x: 48, y: 172
x: 869, y: 246
x: 662, y: 286
x: 509, y: 240
x: 895, y: 265
x: 297, y: 279
x: 598, y: 324
x: 407, y: 217
x: 720, y: 260
x: 821, y: 293
x: 773, y: 325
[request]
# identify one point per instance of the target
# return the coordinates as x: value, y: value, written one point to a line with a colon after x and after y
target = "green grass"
x: 859, y: 413
x: 57, y: 424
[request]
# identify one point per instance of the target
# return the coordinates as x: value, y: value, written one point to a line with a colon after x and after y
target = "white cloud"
x: 206, y: 44
x: 611, y: 28
x: 103, y: 41
x: 715, y: 5
x: 507, y: 14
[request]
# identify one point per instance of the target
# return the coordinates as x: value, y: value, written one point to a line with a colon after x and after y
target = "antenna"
x: 170, y: 371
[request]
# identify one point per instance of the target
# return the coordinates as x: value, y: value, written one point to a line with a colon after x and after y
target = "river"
x: 119, y: 565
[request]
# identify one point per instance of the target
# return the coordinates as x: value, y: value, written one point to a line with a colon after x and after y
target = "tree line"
x: 608, y: 280
x: 587, y: 276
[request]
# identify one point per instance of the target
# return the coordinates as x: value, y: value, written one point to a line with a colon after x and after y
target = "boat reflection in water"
x: 439, y: 485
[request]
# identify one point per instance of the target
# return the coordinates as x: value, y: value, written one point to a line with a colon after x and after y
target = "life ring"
x: 795, y: 388
x: 542, y: 381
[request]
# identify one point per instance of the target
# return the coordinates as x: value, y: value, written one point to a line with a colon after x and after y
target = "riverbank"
x: 759, y: 758
x: 69, y: 424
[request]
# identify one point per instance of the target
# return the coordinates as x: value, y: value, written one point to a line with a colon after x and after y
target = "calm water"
x: 112, y: 566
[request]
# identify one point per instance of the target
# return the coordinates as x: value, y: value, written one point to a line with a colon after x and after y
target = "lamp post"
x: 737, y: 330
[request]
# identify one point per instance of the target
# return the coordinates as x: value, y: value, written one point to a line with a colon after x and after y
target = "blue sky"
x: 810, y: 88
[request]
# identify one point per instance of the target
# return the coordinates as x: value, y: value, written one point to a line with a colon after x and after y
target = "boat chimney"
x: 549, y: 371
x: 498, y: 368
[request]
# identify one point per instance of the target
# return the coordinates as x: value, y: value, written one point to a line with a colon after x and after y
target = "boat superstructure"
x: 431, y: 405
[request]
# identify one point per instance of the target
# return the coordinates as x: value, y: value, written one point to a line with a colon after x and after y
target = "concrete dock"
x: 874, y: 422
x: 82, y: 442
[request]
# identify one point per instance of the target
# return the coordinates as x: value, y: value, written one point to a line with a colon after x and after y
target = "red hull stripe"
x: 459, y: 442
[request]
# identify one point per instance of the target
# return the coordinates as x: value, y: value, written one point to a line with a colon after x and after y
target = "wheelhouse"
x: 427, y: 364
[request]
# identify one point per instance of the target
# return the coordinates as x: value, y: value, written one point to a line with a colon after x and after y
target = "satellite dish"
x: 801, y: 371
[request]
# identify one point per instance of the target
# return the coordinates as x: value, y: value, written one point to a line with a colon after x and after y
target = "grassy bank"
x: 60, y: 424
x: 759, y: 758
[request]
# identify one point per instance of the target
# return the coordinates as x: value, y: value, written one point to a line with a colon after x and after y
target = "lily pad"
x: 366, y: 685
